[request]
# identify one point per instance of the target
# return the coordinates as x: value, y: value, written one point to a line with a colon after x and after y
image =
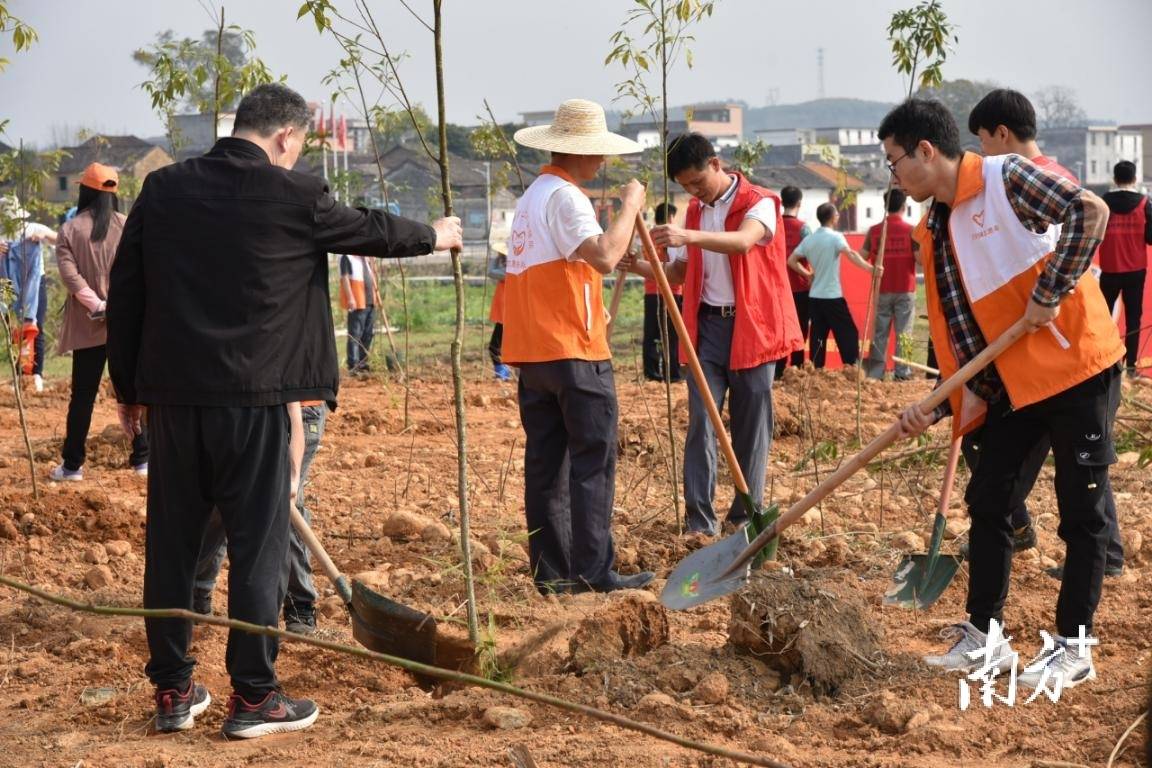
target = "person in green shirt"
x: 827, y: 309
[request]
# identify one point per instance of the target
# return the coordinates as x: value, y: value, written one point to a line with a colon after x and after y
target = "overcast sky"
x: 531, y: 54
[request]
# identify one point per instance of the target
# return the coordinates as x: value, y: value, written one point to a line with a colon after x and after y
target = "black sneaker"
x: 275, y: 713
x: 176, y: 710
x: 300, y: 623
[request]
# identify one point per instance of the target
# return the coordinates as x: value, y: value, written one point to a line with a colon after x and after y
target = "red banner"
x: 856, y: 283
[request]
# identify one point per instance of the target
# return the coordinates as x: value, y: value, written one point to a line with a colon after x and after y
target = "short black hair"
x: 1005, y: 107
x: 790, y: 196
x: 268, y: 108
x: 825, y: 213
x: 664, y: 212
x: 895, y: 199
x: 1124, y: 172
x: 918, y: 120
x: 688, y: 150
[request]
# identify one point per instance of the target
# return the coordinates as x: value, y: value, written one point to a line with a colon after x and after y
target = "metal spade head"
x: 921, y: 579
x: 696, y: 579
x: 383, y: 625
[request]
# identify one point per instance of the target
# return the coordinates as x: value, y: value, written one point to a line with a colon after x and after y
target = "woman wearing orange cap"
x: 85, y: 250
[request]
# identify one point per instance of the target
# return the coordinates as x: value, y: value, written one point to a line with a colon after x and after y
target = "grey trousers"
x: 893, y: 314
x: 749, y: 395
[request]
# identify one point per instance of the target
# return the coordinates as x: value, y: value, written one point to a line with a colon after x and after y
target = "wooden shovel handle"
x: 693, y: 361
x: 617, y: 292
x: 317, y: 549
x: 870, y: 451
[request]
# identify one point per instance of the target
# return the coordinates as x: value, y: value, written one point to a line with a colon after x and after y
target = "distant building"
x: 1090, y: 151
x: 860, y: 199
x: 133, y: 157
x: 538, y: 117
x: 722, y: 122
x: 412, y: 181
x: 193, y: 134
x: 1145, y: 131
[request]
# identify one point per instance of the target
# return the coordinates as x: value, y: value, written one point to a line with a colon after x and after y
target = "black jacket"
x: 219, y: 292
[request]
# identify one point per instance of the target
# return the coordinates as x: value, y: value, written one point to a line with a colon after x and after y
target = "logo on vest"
x: 982, y: 231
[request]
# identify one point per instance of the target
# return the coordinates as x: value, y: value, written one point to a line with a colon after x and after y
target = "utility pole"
x: 819, y: 73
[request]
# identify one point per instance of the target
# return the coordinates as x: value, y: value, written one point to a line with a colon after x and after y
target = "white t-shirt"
x: 717, y: 289
x: 571, y: 220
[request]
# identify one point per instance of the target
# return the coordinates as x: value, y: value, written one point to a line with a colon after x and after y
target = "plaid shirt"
x: 1039, y: 199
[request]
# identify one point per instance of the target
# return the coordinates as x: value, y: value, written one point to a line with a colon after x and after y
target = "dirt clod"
x: 813, y: 626
x: 626, y: 625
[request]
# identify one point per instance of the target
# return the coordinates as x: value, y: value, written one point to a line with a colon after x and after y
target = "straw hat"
x: 578, y: 129
x: 498, y: 240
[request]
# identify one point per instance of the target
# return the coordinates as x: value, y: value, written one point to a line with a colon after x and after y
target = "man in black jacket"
x: 218, y: 315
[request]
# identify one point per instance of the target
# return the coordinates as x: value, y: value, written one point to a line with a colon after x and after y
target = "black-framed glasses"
x: 892, y: 165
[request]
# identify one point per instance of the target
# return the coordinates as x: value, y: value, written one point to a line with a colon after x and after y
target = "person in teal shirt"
x: 827, y: 309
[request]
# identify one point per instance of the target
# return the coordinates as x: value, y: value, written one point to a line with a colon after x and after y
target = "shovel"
x: 757, y: 517
x: 921, y: 579
x: 724, y: 567
x: 378, y: 624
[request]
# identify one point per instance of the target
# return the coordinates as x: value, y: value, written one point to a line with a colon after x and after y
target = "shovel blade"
x: 919, y: 582
x: 385, y: 626
x: 695, y: 580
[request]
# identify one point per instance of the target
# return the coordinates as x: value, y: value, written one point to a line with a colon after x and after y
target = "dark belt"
x: 710, y: 309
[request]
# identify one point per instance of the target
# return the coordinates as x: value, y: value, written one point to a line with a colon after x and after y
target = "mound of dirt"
x: 813, y: 627
x: 630, y: 623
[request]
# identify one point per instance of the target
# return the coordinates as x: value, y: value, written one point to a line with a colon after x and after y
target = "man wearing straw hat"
x: 554, y: 332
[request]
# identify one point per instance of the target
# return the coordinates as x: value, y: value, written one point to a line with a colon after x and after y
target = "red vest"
x: 766, y: 328
x: 650, y: 288
x: 899, y: 261
x: 1122, y: 249
x: 793, y: 234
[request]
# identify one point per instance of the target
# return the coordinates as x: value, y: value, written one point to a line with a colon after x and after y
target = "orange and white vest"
x: 553, y: 307
x: 1000, y: 261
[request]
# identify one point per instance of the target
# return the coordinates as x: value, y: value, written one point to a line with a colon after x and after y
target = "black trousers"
x: 234, y: 459
x: 800, y: 298
x: 87, y: 370
x: 568, y: 409
x: 1129, y: 286
x: 652, y: 349
x: 1030, y: 468
x: 496, y: 343
x: 1079, y: 423
x: 41, y: 317
x: 833, y: 315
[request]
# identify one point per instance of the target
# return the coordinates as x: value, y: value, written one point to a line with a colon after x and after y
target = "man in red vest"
x: 738, y: 314
x: 795, y: 230
x: 1005, y: 122
x: 1124, y: 253
x: 897, y: 300
x: 653, y: 348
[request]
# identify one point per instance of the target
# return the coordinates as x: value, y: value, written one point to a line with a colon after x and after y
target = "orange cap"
x: 100, y: 177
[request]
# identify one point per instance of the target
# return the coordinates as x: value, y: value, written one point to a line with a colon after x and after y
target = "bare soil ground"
x: 73, y: 692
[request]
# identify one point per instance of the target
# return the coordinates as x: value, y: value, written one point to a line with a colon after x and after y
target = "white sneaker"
x: 38, y: 383
x: 1060, y: 664
x: 967, y: 653
x: 60, y: 474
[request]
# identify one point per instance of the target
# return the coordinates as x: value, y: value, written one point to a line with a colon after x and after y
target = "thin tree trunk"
x: 384, y: 196
x: 12, y: 350
x: 674, y: 478
x: 216, y: 89
x: 457, y: 340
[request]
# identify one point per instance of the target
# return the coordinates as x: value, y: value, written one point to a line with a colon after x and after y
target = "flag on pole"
x: 342, y: 134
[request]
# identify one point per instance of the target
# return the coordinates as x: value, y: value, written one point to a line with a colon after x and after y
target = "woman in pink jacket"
x: 85, y: 250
